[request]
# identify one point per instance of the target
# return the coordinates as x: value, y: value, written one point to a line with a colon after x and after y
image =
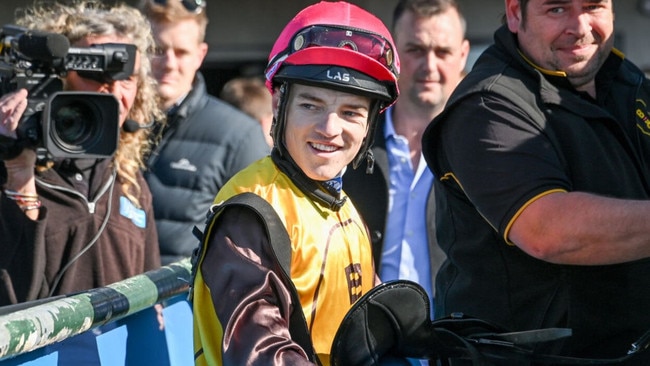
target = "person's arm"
x: 505, y: 167
x: 20, y: 185
x: 22, y: 254
x: 22, y: 220
x: 583, y: 229
x: 250, y: 299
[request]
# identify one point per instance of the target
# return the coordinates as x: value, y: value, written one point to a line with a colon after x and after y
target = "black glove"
x: 392, y: 322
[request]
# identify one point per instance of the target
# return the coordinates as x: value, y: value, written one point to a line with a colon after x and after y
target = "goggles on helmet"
x: 192, y: 6
x: 369, y: 44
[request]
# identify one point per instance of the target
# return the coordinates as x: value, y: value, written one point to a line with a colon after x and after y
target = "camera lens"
x: 75, y: 125
x: 81, y: 125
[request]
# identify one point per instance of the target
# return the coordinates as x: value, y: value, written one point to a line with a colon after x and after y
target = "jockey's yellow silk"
x: 331, y: 264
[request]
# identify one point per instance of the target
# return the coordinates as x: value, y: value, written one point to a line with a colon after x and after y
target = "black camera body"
x: 58, y: 123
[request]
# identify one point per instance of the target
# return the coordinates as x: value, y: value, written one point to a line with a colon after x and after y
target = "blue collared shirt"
x: 406, y: 250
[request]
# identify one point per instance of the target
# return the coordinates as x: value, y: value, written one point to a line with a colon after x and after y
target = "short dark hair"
x: 522, y: 5
x: 426, y: 9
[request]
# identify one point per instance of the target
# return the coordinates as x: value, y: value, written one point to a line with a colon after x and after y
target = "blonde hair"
x: 92, y: 18
x: 174, y: 11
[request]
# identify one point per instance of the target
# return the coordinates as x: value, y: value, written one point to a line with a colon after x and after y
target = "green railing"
x: 30, y: 326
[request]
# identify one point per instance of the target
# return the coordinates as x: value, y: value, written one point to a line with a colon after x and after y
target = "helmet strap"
x: 370, y: 162
x: 315, y: 190
x: 280, y: 121
x: 365, y: 152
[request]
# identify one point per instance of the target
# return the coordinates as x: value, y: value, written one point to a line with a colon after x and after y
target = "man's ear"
x: 203, y: 51
x: 513, y: 15
x: 465, y: 53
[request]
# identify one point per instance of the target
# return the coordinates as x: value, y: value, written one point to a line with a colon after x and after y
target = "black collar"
x: 314, y: 189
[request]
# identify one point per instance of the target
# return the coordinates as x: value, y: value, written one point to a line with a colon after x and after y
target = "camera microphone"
x: 36, y: 45
x: 133, y: 126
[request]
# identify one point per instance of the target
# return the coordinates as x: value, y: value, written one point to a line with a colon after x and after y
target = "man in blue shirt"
x: 396, y: 199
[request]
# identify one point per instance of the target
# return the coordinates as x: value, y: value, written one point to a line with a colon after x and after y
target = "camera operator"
x: 79, y: 223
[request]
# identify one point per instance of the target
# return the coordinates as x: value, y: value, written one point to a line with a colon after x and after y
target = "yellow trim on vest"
x: 522, y: 208
x: 563, y: 74
x: 618, y: 53
x: 450, y: 175
x: 545, y: 71
x: 207, y: 328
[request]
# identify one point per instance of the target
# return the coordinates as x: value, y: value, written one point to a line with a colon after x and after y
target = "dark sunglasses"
x: 193, y: 6
x: 370, y: 44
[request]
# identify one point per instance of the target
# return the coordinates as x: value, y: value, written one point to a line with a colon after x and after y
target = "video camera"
x: 61, y: 123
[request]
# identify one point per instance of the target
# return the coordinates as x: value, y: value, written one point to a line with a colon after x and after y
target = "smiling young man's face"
x: 324, y: 129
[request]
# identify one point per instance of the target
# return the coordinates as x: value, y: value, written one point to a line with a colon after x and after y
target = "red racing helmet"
x: 337, y: 34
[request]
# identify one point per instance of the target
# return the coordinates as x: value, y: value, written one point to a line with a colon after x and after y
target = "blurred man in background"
x: 204, y: 142
x: 251, y: 96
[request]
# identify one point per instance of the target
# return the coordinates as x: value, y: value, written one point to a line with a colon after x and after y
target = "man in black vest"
x: 543, y: 187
